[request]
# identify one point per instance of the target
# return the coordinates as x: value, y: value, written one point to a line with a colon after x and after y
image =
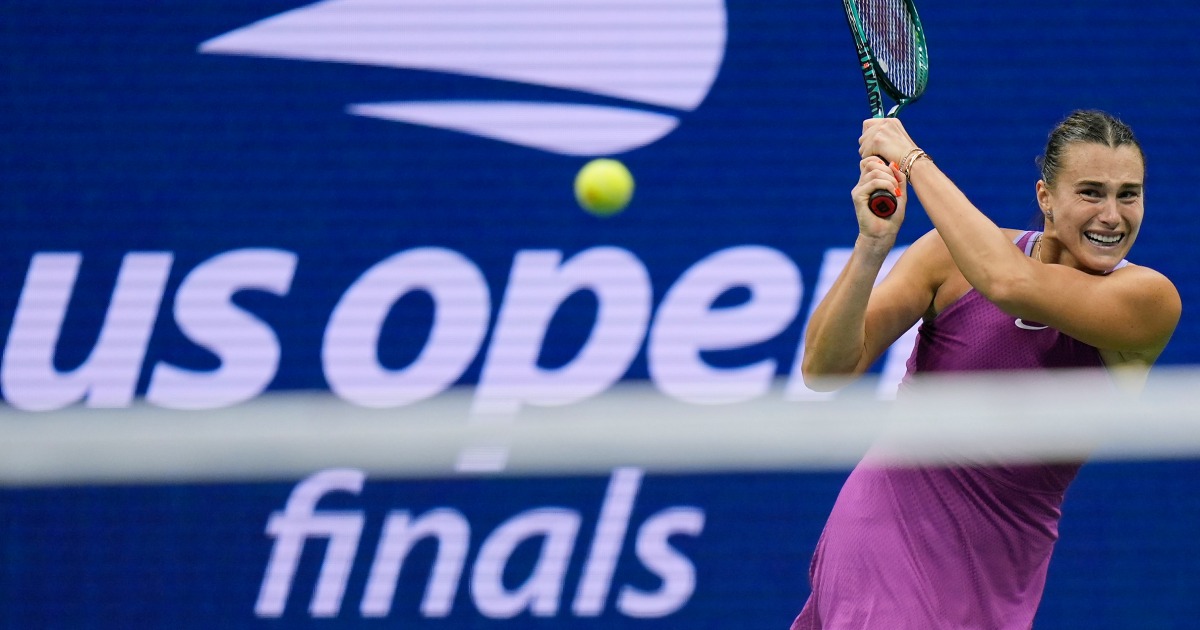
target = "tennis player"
x: 968, y: 546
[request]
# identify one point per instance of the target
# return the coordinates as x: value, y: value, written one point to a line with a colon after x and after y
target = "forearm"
x: 835, y: 341
x: 980, y: 249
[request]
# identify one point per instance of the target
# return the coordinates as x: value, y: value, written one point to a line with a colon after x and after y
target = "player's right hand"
x: 875, y: 174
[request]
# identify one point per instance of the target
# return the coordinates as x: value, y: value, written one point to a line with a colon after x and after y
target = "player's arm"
x: 1132, y: 311
x: 856, y: 320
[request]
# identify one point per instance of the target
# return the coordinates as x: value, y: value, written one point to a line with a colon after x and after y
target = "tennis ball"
x: 603, y: 187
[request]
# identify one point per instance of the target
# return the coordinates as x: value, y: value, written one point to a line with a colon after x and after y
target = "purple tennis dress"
x: 954, y: 547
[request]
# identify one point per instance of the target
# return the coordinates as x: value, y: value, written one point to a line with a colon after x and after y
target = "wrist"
x: 913, y: 158
x: 875, y: 245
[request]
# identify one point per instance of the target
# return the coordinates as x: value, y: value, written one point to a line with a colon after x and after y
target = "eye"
x: 1090, y: 193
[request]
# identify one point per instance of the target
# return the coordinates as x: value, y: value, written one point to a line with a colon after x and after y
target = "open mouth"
x: 1104, y: 240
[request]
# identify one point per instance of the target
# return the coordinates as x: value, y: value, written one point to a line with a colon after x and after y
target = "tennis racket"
x: 894, y: 59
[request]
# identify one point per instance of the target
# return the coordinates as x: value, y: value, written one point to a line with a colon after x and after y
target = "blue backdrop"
x: 198, y: 220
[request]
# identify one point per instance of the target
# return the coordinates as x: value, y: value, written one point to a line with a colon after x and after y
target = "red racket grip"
x: 882, y: 203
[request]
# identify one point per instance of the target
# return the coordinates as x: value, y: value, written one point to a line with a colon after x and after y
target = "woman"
x: 968, y: 546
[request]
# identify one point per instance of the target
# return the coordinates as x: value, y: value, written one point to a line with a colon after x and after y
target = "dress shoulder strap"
x: 1026, y: 240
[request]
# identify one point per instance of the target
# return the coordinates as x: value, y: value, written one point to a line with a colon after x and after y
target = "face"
x: 1094, y: 209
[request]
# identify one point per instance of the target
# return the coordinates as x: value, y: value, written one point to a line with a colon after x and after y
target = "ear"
x: 1043, y: 199
x: 1043, y: 193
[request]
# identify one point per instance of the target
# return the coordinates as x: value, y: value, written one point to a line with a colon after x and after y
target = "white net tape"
x: 1011, y: 417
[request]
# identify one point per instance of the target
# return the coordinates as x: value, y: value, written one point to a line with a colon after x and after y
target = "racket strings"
x: 892, y: 32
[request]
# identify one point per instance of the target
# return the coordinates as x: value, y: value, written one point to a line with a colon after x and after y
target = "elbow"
x: 826, y: 382
x: 824, y: 378
x: 820, y: 382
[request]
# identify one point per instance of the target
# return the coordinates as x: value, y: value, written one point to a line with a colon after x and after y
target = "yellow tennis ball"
x: 603, y: 187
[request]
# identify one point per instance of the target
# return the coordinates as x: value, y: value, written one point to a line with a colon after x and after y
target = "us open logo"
x: 659, y: 57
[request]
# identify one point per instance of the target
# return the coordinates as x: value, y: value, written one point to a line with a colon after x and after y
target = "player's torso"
x: 974, y: 334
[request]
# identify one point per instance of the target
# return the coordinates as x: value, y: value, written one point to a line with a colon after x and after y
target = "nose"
x: 1109, y: 215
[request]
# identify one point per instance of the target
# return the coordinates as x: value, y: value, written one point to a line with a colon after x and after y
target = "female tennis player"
x: 968, y: 546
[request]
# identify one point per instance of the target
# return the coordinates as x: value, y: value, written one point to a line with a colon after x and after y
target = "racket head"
x: 891, y: 41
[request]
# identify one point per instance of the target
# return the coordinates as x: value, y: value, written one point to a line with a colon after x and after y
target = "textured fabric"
x: 955, y: 547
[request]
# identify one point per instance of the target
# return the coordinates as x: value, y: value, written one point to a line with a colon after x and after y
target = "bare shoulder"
x: 1158, y: 309
x: 1142, y: 274
x: 926, y: 261
x: 938, y: 273
x: 1155, y: 289
x: 930, y: 248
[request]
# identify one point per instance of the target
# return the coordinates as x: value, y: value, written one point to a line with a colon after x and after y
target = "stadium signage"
x: 675, y: 334
x: 540, y: 593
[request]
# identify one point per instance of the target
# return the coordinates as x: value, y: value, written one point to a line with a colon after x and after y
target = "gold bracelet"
x: 907, y: 168
x: 906, y: 160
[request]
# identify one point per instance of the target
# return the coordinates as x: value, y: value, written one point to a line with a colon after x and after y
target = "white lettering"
x: 606, y: 546
x: 695, y: 322
x: 461, y: 312
x: 108, y: 378
x: 297, y: 523
x: 248, y: 348
x: 687, y: 324
x: 677, y: 572
x: 540, y: 592
x: 514, y: 543
x: 400, y: 533
x: 539, y: 284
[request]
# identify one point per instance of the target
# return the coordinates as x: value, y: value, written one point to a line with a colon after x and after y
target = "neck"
x: 1047, y: 249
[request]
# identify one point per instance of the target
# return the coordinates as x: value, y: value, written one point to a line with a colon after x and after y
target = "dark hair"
x: 1084, y: 125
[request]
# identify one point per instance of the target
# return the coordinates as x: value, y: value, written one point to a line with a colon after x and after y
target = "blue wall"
x: 122, y: 143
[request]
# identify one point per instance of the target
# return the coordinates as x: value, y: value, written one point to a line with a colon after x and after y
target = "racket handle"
x: 882, y: 203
